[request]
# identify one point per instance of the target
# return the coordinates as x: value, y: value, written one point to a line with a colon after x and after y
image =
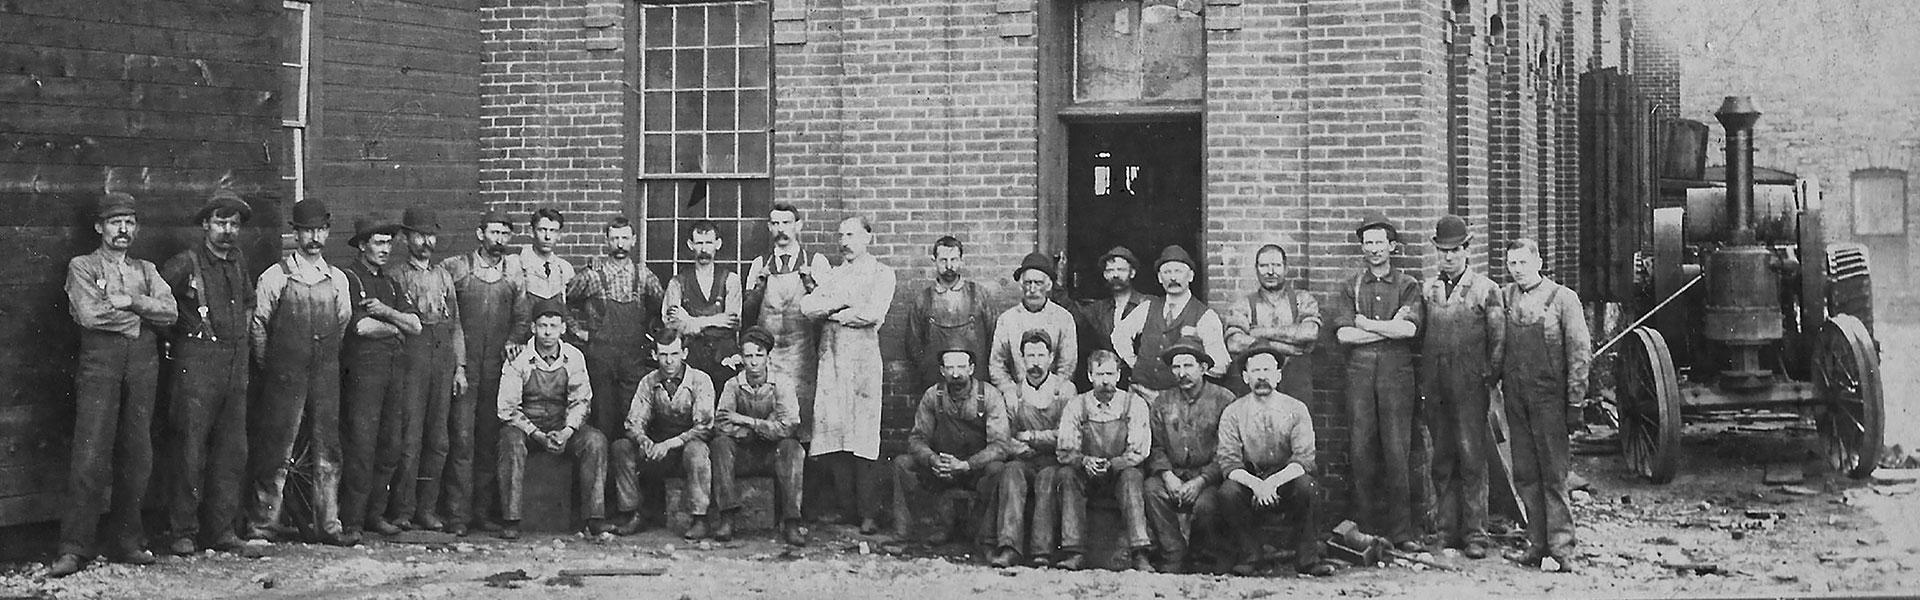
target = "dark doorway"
x: 1133, y: 184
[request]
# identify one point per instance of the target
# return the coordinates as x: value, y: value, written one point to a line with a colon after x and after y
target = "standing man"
x: 1181, y: 472
x: 543, y: 403
x: 669, y: 420
x: 119, y: 302
x: 1279, y: 316
x: 620, y: 306
x: 493, y: 313
x: 1033, y: 460
x: 546, y: 274
x: 436, y: 374
x: 1378, y: 314
x: 211, y: 366
x: 1150, y: 332
x: 1544, y: 374
x: 1117, y: 268
x: 1104, y: 437
x: 1266, y: 450
x: 300, y: 312
x: 1034, y: 313
x: 852, y: 301
x: 959, y: 432
x: 775, y: 284
x: 754, y: 421
x: 1466, y: 327
x: 950, y: 311
x: 703, y: 303
x: 375, y: 378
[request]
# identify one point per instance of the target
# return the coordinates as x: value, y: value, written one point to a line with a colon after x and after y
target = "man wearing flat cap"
x: 493, y: 311
x: 958, y: 440
x: 436, y: 375
x: 1181, y: 473
x: 1117, y: 268
x: 119, y: 302
x: 211, y: 368
x: 755, y: 421
x: 1145, y: 334
x: 374, y: 375
x: 1378, y: 313
x: 1034, y: 313
x: 1266, y: 455
x: 300, y: 312
x: 1465, y: 334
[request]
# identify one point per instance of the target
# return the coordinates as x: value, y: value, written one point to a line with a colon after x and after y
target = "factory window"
x: 295, y: 78
x: 703, y: 71
x: 1137, y: 51
x: 1879, y: 202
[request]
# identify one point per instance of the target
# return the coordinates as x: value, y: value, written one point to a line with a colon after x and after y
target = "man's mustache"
x: 313, y: 246
x: 703, y: 255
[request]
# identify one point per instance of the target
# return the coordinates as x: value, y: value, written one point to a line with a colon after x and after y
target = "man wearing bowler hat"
x: 374, y: 376
x: 1034, y: 313
x: 1378, y: 313
x: 1181, y: 473
x: 1266, y: 455
x: 300, y: 311
x: 493, y: 311
x: 1465, y: 334
x: 211, y: 368
x: 1148, y: 333
x: 1117, y: 268
x: 436, y: 374
x: 118, y: 301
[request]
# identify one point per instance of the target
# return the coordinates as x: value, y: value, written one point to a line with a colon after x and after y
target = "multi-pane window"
x: 705, y: 125
x: 296, y: 53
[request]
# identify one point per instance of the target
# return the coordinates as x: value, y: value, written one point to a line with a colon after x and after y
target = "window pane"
x: 753, y: 68
x: 659, y: 27
x: 754, y: 110
x: 659, y: 69
x: 689, y: 27
x: 658, y: 154
x: 753, y: 153
x: 720, y: 68
x: 293, y: 23
x: 754, y: 23
x: 656, y: 111
x: 720, y: 153
x: 720, y: 25
x: 720, y: 111
x: 687, y: 66
x: 687, y: 107
x: 291, y: 100
x: 687, y: 153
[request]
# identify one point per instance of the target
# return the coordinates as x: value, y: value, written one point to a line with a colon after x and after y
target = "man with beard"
x: 1543, y: 371
x: 775, y: 284
x: 620, y: 307
x: 1033, y: 460
x: 753, y: 422
x: 211, y: 368
x: 1378, y: 315
x: 436, y: 374
x: 1035, y: 313
x: 301, y: 310
x: 117, y: 300
x: 1150, y: 332
x: 547, y: 276
x: 1266, y: 451
x: 543, y: 403
x: 1117, y: 268
x: 852, y: 302
x: 959, y: 430
x: 375, y: 378
x: 493, y: 313
x: 703, y: 304
x: 670, y: 421
x: 1466, y: 327
x: 1279, y: 316
x: 951, y: 311
x: 1181, y: 472
x: 1104, y: 438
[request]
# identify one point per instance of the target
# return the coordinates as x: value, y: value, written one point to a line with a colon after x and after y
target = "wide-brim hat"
x: 1450, y: 231
x: 420, y: 220
x: 1177, y: 254
x: 369, y: 225
x: 1260, y: 348
x: 311, y: 214
x: 1038, y: 261
x: 1377, y: 220
x: 1187, y: 345
x: 114, y: 204
x: 224, y: 201
x: 1122, y: 252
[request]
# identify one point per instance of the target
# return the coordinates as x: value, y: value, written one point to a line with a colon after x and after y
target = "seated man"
x: 959, y: 433
x: 543, y: 400
x: 1266, y: 450
x: 1181, y: 473
x: 1033, y: 461
x: 670, y: 419
x: 753, y: 426
x: 1103, y: 439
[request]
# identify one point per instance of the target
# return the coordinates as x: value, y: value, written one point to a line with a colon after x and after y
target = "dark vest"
x: 1158, y: 334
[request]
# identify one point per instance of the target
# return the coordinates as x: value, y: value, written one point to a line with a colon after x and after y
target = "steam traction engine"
x: 1745, y: 307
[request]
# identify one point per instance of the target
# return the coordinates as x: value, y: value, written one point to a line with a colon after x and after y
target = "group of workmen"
x: 405, y: 390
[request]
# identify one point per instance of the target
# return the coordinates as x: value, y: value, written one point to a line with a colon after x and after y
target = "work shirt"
x: 1264, y: 436
x: 1465, y: 320
x: 1037, y: 409
x: 363, y: 282
x: 488, y: 271
x: 770, y: 411
x: 1260, y: 309
x: 547, y: 276
x: 214, y: 295
x: 519, y: 371
x: 1208, y: 327
x: 971, y: 425
x: 1555, y: 311
x: 434, y: 298
x: 1395, y: 295
x: 93, y: 276
x: 1186, y: 430
x: 1088, y: 408
x: 943, y: 316
x: 1009, y: 365
x: 274, y: 281
x: 667, y: 403
x: 620, y: 280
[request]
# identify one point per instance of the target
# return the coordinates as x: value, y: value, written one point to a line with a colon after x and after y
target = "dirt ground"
x: 1717, y: 530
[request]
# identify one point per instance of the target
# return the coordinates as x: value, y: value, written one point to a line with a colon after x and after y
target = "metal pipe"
x: 1643, y: 318
x: 1738, y: 116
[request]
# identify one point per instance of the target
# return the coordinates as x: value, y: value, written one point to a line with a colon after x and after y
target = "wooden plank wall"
x: 165, y: 99
x: 398, y: 107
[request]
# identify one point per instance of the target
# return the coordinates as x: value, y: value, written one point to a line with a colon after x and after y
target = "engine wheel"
x: 1846, y: 373
x: 1649, y: 397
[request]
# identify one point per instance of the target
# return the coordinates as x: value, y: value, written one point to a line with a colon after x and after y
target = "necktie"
x: 786, y: 263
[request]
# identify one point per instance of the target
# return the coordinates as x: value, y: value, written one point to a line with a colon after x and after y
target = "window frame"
x: 298, y: 129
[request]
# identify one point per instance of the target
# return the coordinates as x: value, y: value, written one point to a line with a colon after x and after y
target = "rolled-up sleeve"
x: 579, y: 393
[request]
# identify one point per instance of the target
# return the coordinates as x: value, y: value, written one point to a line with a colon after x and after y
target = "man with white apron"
x: 852, y: 302
x: 493, y: 313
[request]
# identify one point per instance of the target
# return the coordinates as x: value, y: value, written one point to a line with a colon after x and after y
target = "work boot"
x: 940, y: 536
x: 1475, y: 549
x: 869, y: 526
x: 345, y: 538
x: 228, y: 543
x: 1319, y: 568
x: 402, y: 524
x: 262, y: 534
x: 723, y: 527
x: 1073, y: 562
x: 794, y: 533
x: 382, y: 527
x: 136, y: 556
x: 487, y: 525
x: 1040, y: 560
x: 1410, y: 547
x: 182, y: 546
x: 1005, y: 557
x: 509, y: 530
x: 456, y: 529
x: 429, y: 522
x: 698, y: 530
x: 67, y: 564
x: 1140, y: 561
x: 595, y: 527
x: 1529, y: 557
x: 635, y: 524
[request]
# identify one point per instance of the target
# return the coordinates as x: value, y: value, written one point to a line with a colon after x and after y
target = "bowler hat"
x: 1451, y: 231
x: 420, y: 220
x: 1038, y: 261
x: 495, y: 215
x: 114, y: 204
x: 1377, y: 220
x: 1187, y: 345
x: 1280, y: 356
x: 1122, y: 252
x: 366, y: 226
x: 1174, y: 253
x: 311, y: 214
x: 224, y: 201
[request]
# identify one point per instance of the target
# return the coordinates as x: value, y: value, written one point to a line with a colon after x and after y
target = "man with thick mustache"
x: 1035, y: 312
x: 493, y: 311
x: 1104, y: 438
x: 620, y: 306
x: 1181, y: 472
x: 436, y: 374
x: 115, y: 299
x: 952, y: 310
x: 851, y: 303
x: 1278, y: 315
x: 375, y: 379
x: 1266, y: 452
x: 703, y: 304
x: 210, y: 375
x: 1180, y: 314
x: 1117, y: 267
x: 1033, y: 461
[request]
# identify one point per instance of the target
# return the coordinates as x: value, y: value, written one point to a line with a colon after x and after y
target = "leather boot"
x: 794, y: 533
x: 698, y: 530
x: 1140, y: 562
x: 67, y: 564
x: 1005, y: 557
x: 182, y: 546
x: 723, y: 527
x: 509, y: 530
x: 1073, y: 562
x: 635, y: 523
